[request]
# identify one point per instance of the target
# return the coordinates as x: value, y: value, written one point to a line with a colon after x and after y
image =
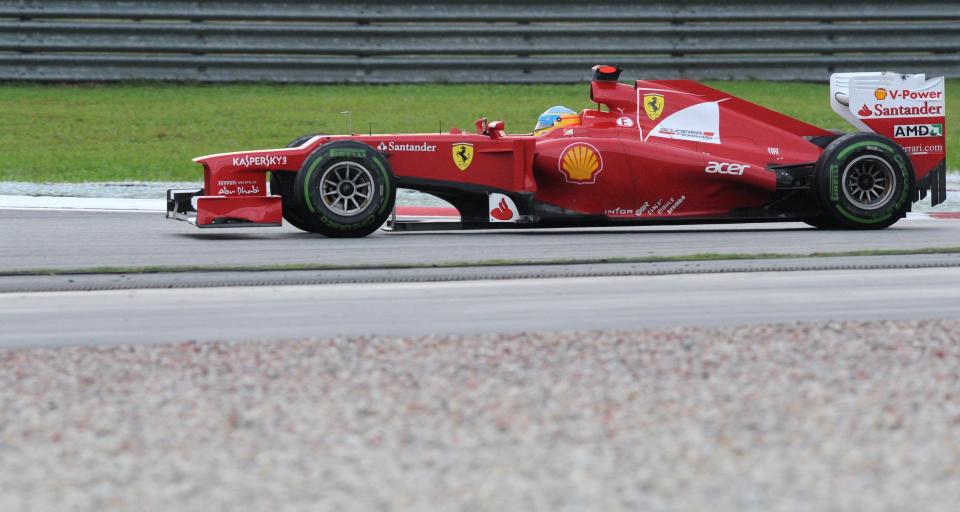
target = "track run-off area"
x: 722, y: 367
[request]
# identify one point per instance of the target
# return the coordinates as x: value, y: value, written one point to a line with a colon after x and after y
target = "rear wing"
x: 909, y: 109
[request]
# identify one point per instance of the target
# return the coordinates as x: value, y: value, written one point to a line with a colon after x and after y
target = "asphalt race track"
x: 206, y: 305
x: 69, y: 239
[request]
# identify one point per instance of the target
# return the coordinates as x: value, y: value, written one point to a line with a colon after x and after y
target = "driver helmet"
x: 555, y: 117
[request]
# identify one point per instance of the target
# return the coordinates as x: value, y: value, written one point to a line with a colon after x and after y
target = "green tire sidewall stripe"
x: 307, y: 181
x: 876, y: 220
x: 386, y: 180
x: 386, y: 192
x: 858, y: 145
x: 835, y: 181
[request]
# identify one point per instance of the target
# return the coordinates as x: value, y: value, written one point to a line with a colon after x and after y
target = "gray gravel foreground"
x: 835, y: 416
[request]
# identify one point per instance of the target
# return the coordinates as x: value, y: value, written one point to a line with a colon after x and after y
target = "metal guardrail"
x: 457, y: 41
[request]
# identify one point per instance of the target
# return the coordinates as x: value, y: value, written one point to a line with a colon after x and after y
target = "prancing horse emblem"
x: 653, y: 105
x: 463, y: 155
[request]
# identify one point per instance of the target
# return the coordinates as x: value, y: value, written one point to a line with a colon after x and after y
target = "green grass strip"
x: 151, y: 131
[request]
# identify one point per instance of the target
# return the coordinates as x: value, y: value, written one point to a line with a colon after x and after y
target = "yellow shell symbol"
x: 580, y: 164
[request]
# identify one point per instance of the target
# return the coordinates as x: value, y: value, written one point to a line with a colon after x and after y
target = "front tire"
x: 282, y: 183
x: 345, y: 189
x: 862, y: 181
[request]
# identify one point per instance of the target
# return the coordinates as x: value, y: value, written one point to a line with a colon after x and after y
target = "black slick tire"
x: 282, y: 184
x: 345, y: 189
x: 862, y: 181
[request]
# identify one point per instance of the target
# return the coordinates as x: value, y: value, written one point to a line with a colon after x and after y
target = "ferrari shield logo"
x: 463, y: 155
x: 653, y: 105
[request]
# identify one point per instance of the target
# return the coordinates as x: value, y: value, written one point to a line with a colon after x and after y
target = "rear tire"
x: 345, y: 189
x: 862, y: 181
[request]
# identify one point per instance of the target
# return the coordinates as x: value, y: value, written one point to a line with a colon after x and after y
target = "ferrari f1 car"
x: 652, y: 152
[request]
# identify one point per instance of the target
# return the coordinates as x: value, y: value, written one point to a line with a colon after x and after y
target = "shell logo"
x: 880, y: 94
x: 580, y: 163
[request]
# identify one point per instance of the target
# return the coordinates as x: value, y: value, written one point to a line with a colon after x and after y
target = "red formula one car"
x: 665, y: 151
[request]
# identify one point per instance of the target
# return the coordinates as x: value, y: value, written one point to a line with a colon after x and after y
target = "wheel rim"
x: 868, y: 182
x: 346, y: 188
